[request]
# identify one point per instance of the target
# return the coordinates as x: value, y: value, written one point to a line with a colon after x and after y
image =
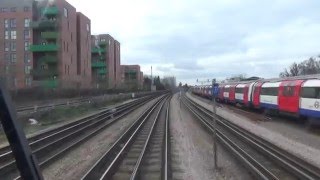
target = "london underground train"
x: 299, y: 96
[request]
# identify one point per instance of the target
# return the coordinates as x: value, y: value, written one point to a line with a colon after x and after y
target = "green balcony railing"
x: 50, y: 11
x: 43, y: 24
x: 98, y: 64
x: 48, y: 59
x: 50, y: 35
x: 103, y: 43
x: 49, y: 83
x: 102, y: 71
x: 44, y: 73
x: 44, y: 48
x: 98, y: 50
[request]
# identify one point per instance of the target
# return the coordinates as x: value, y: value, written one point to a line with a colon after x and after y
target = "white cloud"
x: 209, y: 38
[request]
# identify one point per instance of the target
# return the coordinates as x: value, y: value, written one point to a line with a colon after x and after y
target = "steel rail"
x: 293, y: 164
x: 258, y: 170
x: 137, y: 169
x: 5, y: 152
x: 107, y: 164
x: 80, y: 135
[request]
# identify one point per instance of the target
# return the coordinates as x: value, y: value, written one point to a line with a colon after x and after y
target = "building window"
x: 13, y: 58
x: 26, y: 58
x: 26, y: 34
x: 13, y: 34
x: 7, y: 57
x: 28, y: 81
x: 65, y: 12
x: 6, y: 34
x: 6, y: 23
x: 13, y: 23
x: 6, y: 46
x: 13, y: 9
x: 103, y: 40
x: 88, y: 27
x: 26, y: 9
x: 27, y: 69
x: 13, y: 46
x: 26, y: 22
x: 15, y: 82
x: 26, y: 45
x: 4, y: 9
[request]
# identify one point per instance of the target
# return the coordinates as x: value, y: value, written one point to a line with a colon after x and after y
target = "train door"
x: 250, y: 92
x: 245, y: 95
x: 256, y: 94
x: 232, y: 93
x: 289, y: 96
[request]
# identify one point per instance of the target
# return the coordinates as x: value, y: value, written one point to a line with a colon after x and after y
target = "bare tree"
x: 306, y: 67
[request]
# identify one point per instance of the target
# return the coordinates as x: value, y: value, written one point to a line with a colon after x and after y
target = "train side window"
x: 311, y: 92
x: 226, y: 89
x: 288, y: 91
x: 269, y: 91
x: 239, y: 90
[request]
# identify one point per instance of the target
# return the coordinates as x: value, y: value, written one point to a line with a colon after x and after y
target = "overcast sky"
x: 204, y: 39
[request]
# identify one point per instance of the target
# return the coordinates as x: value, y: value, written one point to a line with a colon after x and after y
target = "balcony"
x: 97, y: 50
x: 49, y: 83
x: 50, y: 11
x: 98, y: 64
x: 43, y: 24
x: 103, y: 43
x: 48, y: 59
x: 102, y: 71
x: 49, y: 35
x: 44, y: 73
x: 44, y: 48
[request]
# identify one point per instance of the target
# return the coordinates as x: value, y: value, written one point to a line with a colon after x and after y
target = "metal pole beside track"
x: 26, y: 161
x: 214, y: 123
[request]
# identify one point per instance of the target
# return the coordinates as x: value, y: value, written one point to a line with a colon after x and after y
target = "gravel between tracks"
x: 304, y: 151
x: 192, y: 156
x: 78, y: 161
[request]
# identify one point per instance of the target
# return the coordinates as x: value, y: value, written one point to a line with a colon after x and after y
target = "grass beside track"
x: 59, y: 115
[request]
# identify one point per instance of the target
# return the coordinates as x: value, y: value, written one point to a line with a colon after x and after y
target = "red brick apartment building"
x: 132, y: 77
x: 105, y: 61
x: 15, y: 36
x: 41, y: 40
x: 84, y: 50
x: 48, y: 44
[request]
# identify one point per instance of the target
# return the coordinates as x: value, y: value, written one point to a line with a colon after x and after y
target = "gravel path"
x: 192, y: 156
x: 77, y: 162
x: 281, y: 135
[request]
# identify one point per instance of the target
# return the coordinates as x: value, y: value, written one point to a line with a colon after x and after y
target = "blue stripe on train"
x: 239, y: 100
x: 269, y: 106
x: 310, y: 113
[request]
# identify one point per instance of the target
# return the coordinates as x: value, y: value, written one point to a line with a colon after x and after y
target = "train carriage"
x: 310, y: 98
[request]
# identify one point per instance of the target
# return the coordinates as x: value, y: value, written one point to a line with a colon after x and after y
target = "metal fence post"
x: 214, y: 123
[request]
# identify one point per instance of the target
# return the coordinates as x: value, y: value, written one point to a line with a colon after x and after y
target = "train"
x: 297, y: 96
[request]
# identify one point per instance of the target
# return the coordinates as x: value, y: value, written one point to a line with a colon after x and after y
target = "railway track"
x: 51, y: 145
x: 142, y: 151
x: 263, y: 159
